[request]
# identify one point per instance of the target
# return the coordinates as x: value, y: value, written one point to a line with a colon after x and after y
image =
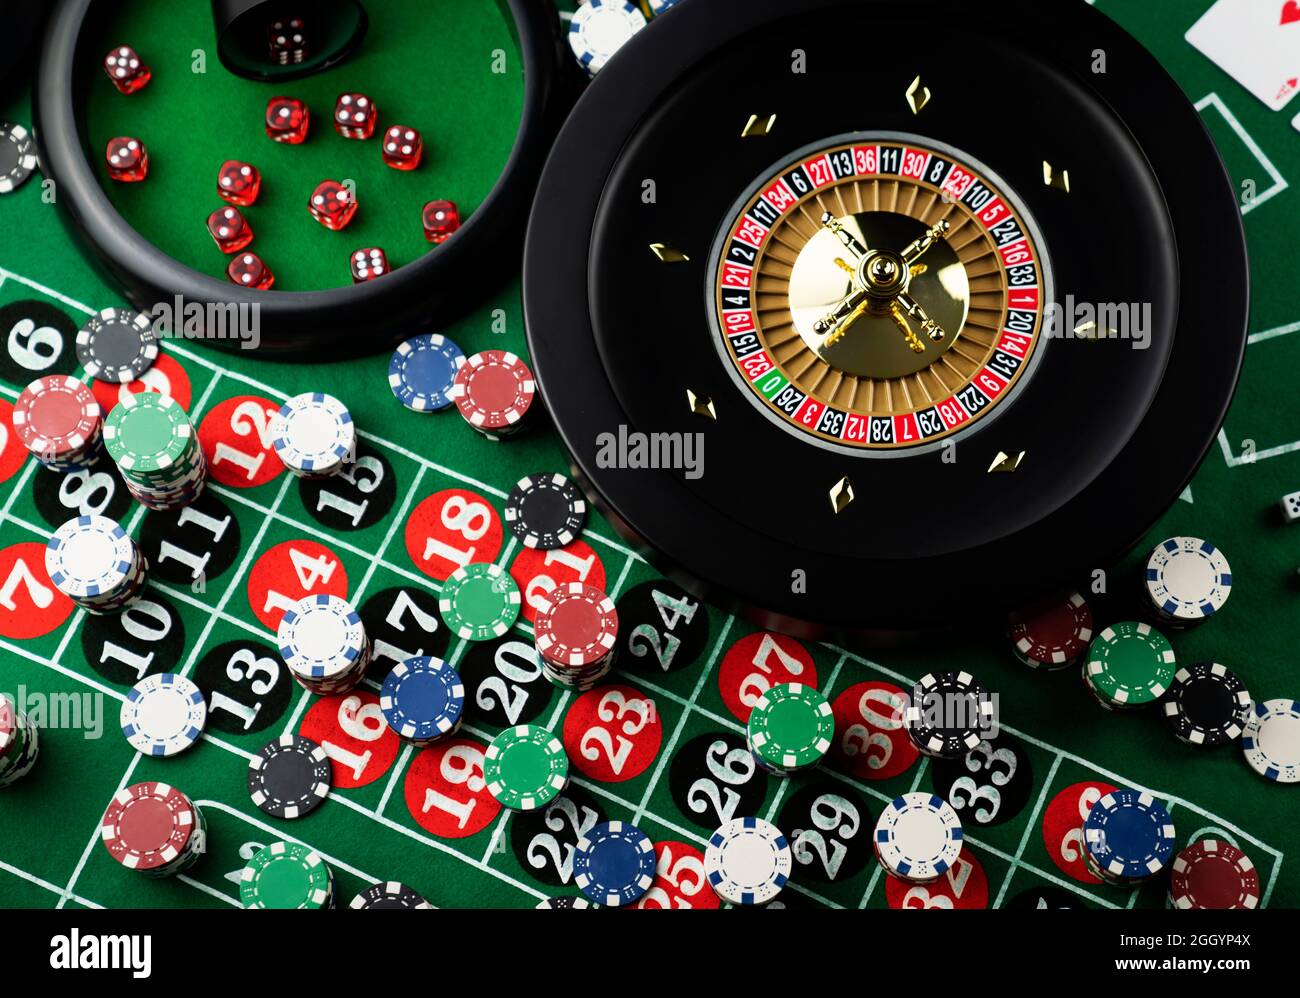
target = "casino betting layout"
x: 551, y: 454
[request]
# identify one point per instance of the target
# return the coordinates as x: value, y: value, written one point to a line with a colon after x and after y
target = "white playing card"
x: 1257, y: 43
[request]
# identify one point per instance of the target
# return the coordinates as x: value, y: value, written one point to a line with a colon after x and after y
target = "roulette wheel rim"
x: 585, y: 380
x: 429, y: 291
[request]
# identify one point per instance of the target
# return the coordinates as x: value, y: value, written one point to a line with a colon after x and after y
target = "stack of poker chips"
x: 314, y: 435
x: 287, y: 875
x: 154, y: 829
x: 152, y: 442
x: 1128, y: 838
x: 918, y: 838
x: 1185, y: 580
x: 423, y: 700
x: 92, y: 561
x: 576, y: 629
x: 790, y: 729
x: 324, y: 644
x: 494, y: 392
x: 1130, y: 666
x: 19, y: 743
x: 59, y: 421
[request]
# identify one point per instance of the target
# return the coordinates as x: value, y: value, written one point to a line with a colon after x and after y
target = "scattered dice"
x: 367, y: 264
x: 248, y: 271
x: 355, y: 116
x: 332, y: 205
x: 402, y: 147
x: 127, y: 159
x: 126, y: 69
x: 441, y: 219
x: 287, y: 41
x: 1291, y: 507
x: 287, y: 120
x: 239, y: 183
x: 229, y: 230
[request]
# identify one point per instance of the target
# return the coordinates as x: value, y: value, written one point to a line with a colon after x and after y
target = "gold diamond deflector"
x: 1006, y: 463
x: 1059, y: 179
x: 841, y: 495
x: 758, y: 126
x: 668, y: 254
x: 918, y: 95
x: 701, y: 405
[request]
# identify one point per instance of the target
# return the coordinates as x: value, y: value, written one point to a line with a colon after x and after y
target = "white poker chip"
x: 918, y: 837
x: 321, y: 637
x: 163, y: 715
x: 748, y: 861
x: 313, y: 433
x: 89, y: 556
x: 600, y: 28
x: 1271, y: 741
x: 1187, y: 579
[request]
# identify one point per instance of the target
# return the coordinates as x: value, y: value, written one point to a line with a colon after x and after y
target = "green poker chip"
x: 286, y: 875
x: 791, y: 726
x: 1130, y: 664
x: 479, y: 602
x: 150, y: 435
x: 525, y: 767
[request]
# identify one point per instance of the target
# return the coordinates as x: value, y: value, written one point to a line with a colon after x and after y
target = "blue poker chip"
x: 614, y: 864
x: 423, y: 699
x: 1129, y: 835
x: 423, y: 370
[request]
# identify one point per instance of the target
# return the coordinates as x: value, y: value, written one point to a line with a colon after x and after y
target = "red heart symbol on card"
x: 1290, y: 12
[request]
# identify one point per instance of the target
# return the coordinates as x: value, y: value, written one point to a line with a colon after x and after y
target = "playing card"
x: 1257, y: 43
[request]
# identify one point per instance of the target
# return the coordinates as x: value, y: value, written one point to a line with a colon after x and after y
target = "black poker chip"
x: 564, y: 903
x: 118, y: 345
x: 948, y: 714
x: 1207, y: 704
x: 17, y: 156
x: 389, y: 895
x: 545, y: 511
x: 290, y: 777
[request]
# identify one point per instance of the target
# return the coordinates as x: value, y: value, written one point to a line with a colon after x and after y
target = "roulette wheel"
x: 868, y: 316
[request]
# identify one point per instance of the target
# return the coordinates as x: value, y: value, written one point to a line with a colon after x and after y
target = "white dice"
x: 1291, y: 507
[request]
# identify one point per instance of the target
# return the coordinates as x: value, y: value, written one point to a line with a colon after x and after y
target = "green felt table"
x: 675, y: 769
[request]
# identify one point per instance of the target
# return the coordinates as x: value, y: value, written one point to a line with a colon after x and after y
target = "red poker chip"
x: 493, y: 390
x: 148, y: 825
x: 56, y: 415
x: 1052, y: 634
x: 1213, y: 874
x: 576, y: 625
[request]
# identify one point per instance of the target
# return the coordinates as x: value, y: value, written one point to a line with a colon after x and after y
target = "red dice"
x: 239, y: 183
x: 287, y: 120
x: 287, y: 41
x: 229, y: 230
x: 402, y: 147
x: 127, y: 159
x: 126, y: 69
x: 355, y: 116
x: 332, y: 205
x: 441, y: 219
x: 367, y: 264
x: 248, y: 271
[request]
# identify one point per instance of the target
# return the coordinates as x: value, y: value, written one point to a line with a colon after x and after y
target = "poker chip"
x: 1053, y: 634
x: 92, y: 561
x: 493, y: 391
x: 423, y: 371
x: 657, y: 7
x: 1213, y: 874
x: 525, y: 767
x: 791, y: 728
x: 575, y: 630
x: 1187, y: 579
x: 1271, y: 740
x: 117, y: 345
x: 286, y: 875
x: 1129, y: 665
x: 918, y: 837
x: 614, y: 864
x: 389, y: 895
x: 545, y: 512
x: 151, y: 440
x: 423, y: 699
x: 1128, y: 836
x: 562, y: 903
x: 153, y: 828
x: 59, y: 421
x: 313, y: 435
x: 19, y: 743
x: 323, y: 642
x: 163, y: 715
x: 748, y: 861
x: 17, y: 156
x: 600, y: 28
x: 1207, y: 704
x: 947, y: 714
x: 290, y: 777
x: 479, y: 602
